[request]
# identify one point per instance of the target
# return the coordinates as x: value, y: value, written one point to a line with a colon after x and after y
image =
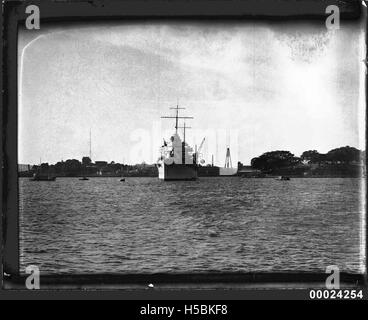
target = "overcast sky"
x: 254, y: 86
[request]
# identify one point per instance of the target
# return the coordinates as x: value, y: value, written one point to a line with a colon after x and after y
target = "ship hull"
x: 208, y: 171
x: 174, y: 172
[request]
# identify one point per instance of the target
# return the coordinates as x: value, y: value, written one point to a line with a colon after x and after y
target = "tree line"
x: 339, y: 158
x: 75, y: 168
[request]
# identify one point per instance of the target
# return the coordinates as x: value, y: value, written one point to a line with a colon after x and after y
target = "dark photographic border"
x: 83, y: 11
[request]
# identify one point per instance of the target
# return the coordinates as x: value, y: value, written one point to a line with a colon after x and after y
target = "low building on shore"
x: 249, y: 172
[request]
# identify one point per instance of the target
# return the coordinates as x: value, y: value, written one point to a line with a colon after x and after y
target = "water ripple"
x: 215, y: 224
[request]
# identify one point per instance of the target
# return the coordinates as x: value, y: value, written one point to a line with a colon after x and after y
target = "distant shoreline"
x: 343, y: 162
x: 235, y: 176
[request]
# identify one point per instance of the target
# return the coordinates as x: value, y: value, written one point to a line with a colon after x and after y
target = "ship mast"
x: 185, y: 127
x: 177, y: 118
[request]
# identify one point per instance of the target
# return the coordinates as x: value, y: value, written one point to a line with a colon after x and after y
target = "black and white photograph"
x: 192, y: 147
x: 181, y: 147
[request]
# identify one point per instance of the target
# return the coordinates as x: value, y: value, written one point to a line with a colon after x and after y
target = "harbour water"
x: 144, y: 225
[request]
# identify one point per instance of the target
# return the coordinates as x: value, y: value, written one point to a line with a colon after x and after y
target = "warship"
x: 178, y: 161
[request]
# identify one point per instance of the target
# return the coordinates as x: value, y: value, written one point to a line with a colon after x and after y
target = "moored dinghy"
x: 282, y: 178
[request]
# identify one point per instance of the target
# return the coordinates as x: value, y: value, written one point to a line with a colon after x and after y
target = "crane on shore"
x: 198, y: 152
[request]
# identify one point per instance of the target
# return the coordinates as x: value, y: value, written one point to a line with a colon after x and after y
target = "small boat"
x: 122, y: 179
x: 83, y: 178
x: 213, y: 233
x: 282, y: 178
